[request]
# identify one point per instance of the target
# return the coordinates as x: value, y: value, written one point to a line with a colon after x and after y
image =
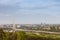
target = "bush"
x: 2, y: 35
x: 21, y: 35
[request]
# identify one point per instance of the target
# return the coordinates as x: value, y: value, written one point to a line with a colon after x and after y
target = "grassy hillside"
x: 21, y: 35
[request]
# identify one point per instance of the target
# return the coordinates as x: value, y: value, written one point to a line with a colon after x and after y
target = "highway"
x: 38, y: 31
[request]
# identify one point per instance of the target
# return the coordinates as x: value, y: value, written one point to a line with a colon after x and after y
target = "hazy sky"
x: 30, y: 11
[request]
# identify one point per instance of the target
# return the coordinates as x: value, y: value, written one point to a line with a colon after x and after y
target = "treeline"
x: 20, y: 35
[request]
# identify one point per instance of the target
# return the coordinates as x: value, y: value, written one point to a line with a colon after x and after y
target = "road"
x: 39, y: 31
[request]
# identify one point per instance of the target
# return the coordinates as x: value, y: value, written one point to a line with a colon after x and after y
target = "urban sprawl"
x: 32, y: 27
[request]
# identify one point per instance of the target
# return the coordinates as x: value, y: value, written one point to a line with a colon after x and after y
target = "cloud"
x: 8, y: 2
x: 8, y: 8
x: 11, y: 6
x: 31, y: 9
x: 4, y: 15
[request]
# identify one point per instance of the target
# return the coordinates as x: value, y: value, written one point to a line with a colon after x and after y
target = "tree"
x: 2, y: 34
x: 12, y: 36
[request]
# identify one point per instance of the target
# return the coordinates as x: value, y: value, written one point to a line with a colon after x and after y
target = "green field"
x: 21, y: 35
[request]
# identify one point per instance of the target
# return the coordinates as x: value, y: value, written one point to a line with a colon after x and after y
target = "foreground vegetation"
x: 20, y: 35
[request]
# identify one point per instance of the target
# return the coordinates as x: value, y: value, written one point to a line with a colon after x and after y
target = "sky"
x: 30, y: 11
